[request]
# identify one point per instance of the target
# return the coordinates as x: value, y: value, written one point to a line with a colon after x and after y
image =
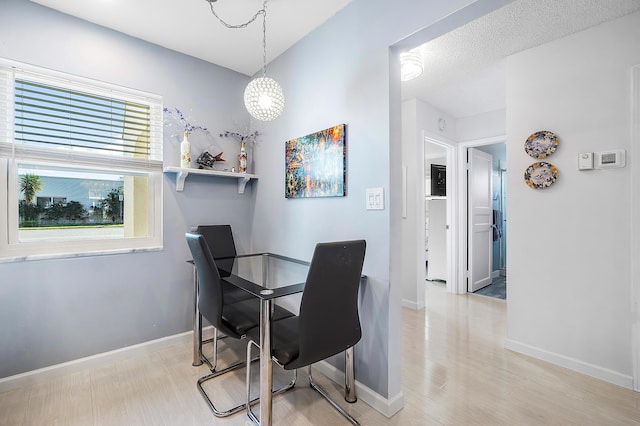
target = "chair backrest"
x: 219, y: 238
x: 329, y: 321
x: 210, y: 297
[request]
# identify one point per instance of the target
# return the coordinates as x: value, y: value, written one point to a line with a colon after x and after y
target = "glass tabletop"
x: 265, y: 275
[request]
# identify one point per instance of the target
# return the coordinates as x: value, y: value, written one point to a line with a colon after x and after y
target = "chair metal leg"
x: 203, y: 358
x: 211, y: 363
x: 335, y: 405
x: 197, y: 323
x: 349, y: 376
x: 216, y: 412
x: 251, y: 402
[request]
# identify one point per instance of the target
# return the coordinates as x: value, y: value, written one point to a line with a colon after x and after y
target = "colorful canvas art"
x: 316, y: 164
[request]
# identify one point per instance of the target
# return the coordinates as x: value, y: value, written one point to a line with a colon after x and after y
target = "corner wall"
x: 344, y: 72
x: 58, y: 310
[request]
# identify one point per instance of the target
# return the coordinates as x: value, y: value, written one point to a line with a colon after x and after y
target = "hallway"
x: 456, y: 371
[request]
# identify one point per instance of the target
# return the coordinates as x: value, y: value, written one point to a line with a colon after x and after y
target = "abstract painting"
x: 316, y: 164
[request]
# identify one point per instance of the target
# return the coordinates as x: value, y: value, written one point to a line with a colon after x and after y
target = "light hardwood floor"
x: 455, y: 372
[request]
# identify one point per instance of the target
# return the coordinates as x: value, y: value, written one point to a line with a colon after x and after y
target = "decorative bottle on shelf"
x: 185, y: 152
x: 243, y: 159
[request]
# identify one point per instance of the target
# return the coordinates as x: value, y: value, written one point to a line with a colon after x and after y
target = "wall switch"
x: 375, y: 198
x: 585, y: 161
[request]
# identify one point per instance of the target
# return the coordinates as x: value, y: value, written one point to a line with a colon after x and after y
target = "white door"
x: 480, y: 220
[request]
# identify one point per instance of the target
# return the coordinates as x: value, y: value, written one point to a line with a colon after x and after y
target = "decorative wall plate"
x: 540, y: 175
x: 541, y: 144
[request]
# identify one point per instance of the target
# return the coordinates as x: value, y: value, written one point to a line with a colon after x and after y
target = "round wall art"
x: 541, y: 144
x: 540, y: 175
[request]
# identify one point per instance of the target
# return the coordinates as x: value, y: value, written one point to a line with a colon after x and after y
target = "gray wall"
x: 53, y: 311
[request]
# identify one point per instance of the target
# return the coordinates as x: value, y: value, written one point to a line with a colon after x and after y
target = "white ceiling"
x: 464, y: 70
x: 188, y: 26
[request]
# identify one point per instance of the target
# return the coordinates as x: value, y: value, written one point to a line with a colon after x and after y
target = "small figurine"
x: 206, y: 160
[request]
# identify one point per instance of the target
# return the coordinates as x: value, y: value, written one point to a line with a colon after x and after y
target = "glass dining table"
x: 267, y: 277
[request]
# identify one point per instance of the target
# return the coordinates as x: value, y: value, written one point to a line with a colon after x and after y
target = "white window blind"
x: 56, y: 118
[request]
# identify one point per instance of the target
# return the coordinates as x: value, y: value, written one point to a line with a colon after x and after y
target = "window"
x: 82, y: 162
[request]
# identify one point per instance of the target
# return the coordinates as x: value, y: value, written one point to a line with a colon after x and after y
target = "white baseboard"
x: 413, y: 305
x: 387, y: 407
x: 93, y: 361
x: 610, y: 376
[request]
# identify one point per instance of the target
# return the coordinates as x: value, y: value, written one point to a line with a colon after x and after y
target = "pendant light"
x: 263, y: 96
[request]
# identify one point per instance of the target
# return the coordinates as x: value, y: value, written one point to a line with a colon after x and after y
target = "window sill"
x: 28, y: 258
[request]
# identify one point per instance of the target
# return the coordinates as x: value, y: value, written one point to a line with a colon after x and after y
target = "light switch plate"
x: 585, y: 161
x: 375, y: 198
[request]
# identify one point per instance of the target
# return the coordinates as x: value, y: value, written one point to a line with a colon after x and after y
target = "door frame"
x: 635, y: 229
x: 451, y: 206
x: 463, y: 217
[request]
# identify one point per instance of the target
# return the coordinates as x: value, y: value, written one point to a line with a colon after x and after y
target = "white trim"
x: 410, y: 304
x: 574, y: 364
x: 462, y: 205
x: 93, y: 361
x: 635, y: 228
x: 385, y: 406
x: 76, y: 255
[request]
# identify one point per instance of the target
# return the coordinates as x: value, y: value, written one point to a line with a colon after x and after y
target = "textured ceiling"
x: 465, y: 68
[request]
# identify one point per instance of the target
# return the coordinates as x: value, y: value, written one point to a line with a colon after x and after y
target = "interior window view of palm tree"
x: 76, y: 202
x: 69, y: 205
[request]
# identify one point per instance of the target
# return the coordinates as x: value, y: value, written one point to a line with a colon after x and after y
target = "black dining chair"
x: 233, y: 318
x: 219, y: 239
x: 328, y: 322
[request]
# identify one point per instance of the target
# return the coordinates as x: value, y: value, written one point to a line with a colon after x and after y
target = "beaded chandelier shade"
x: 264, y: 99
x: 263, y: 96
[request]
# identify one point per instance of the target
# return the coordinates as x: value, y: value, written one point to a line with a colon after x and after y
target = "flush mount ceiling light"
x: 411, y: 64
x: 263, y: 96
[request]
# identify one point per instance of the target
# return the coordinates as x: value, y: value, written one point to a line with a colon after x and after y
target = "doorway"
x: 439, y: 205
x: 483, y: 208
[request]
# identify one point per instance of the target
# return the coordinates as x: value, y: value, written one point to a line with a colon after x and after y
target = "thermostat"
x: 608, y: 159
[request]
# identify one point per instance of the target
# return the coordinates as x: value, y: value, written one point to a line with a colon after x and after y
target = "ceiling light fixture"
x: 263, y: 96
x: 411, y: 64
